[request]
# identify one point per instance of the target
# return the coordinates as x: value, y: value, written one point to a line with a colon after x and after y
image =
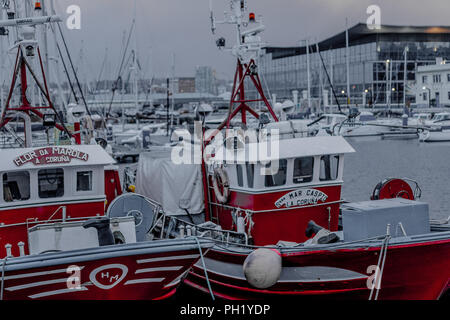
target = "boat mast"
x: 308, y: 73
x: 246, y: 49
x: 347, y: 60
x: 248, y: 45
x: 135, y: 67
x: 172, y: 107
x: 2, y: 53
x: 40, y: 10
x: 405, y: 69
x: 27, y: 47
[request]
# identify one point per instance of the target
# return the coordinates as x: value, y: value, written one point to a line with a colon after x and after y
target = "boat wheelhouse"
x: 52, y: 183
x: 305, y: 185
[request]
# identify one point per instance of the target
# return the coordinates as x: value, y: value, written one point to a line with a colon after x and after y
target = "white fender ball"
x: 262, y: 268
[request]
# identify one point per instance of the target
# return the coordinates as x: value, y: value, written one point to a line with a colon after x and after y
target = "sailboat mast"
x: 347, y: 60
x: 2, y: 63
x: 136, y: 93
x: 172, y: 107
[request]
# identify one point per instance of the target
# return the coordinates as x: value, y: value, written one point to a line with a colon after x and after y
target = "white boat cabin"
x: 39, y: 176
x: 300, y: 162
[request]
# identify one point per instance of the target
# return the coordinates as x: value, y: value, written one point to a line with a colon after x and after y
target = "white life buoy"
x: 219, y: 173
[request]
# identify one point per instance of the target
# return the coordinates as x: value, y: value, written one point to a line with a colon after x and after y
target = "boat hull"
x: 418, y: 270
x: 140, y: 271
x: 435, y: 136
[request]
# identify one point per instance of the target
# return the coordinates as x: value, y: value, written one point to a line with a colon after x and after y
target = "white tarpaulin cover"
x: 175, y: 186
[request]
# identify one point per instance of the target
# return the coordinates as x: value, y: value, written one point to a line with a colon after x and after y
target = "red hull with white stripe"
x: 419, y: 270
x: 140, y: 271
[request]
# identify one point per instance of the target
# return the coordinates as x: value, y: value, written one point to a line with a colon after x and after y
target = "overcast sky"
x: 182, y: 27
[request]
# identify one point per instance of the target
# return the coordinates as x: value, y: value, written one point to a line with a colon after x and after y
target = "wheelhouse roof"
x: 53, y: 156
x: 288, y: 148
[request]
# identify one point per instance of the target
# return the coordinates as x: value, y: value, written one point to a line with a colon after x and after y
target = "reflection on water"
x: 376, y: 159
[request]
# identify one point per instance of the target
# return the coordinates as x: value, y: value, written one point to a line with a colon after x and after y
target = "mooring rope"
x: 381, y: 261
x: 204, y: 269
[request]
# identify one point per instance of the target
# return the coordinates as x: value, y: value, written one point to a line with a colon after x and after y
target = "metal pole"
x: 2, y: 66
x: 320, y: 76
x: 136, y: 71
x: 167, y: 106
x: 172, y: 90
x: 331, y: 74
x: 347, y: 57
x: 44, y: 44
x: 405, y: 69
x: 387, y: 83
x: 390, y: 83
x: 309, y: 75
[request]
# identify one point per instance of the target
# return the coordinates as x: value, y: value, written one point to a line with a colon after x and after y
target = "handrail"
x: 56, y: 211
x: 279, y: 209
x: 194, y: 230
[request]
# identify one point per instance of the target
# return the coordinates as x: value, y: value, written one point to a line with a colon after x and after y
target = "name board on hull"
x: 50, y: 155
x: 301, y: 197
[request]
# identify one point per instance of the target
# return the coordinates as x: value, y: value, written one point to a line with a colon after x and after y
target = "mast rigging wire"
x: 121, y: 67
x: 73, y: 69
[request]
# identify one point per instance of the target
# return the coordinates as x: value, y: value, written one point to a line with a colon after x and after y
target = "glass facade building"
x: 376, y: 65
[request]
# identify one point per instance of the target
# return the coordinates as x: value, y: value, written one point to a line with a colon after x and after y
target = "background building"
x: 186, y: 85
x: 376, y: 65
x: 433, y: 85
x: 205, y: 80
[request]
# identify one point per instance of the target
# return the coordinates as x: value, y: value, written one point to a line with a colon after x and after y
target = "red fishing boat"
x: 55, y: 240
x: 278, y: 220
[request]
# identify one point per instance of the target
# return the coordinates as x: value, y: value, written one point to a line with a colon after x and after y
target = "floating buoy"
x: 262, y: 268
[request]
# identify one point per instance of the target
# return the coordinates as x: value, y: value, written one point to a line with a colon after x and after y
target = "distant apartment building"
x: 433, y: 84
x: 205, y: 80
x: 186, y: 85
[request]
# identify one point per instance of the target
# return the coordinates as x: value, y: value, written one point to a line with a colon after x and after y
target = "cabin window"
x: 16, y: 186
x: 329, y: 166
x: 250, y: 174
x: 51, y: 183
x: 240, y: 175
x: 279, y: 178
x: 303, y: 170
x: 84, y: 181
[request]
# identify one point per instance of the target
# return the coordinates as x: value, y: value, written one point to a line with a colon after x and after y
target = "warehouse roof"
x: 360, y: 34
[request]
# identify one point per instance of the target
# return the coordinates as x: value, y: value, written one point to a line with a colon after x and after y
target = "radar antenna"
x: 246, y: 49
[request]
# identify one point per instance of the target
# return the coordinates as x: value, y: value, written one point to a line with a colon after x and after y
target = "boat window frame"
x: 4, y: 200
x: 92, y: 176
x: 294, y: 162
x: 279, y: 168
x: 239, y: 175
x: 337, y: 170
x: 250, y: 177
x: 63, y: 183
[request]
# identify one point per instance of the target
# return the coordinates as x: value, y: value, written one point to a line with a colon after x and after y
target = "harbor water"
x: 376, y: 159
